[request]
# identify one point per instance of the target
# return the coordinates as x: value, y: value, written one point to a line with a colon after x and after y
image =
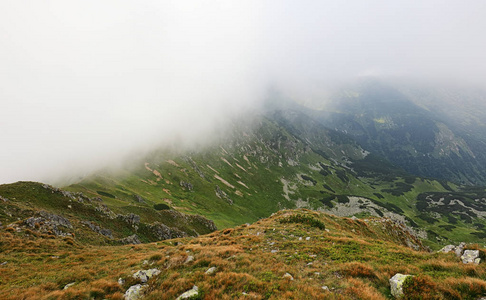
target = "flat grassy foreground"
x: 328, y: 258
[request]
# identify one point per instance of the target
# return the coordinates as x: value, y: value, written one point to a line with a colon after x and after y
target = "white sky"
x: 82, y: 83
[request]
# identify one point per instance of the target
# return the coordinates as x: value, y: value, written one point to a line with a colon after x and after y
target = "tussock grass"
x: 355, y: 260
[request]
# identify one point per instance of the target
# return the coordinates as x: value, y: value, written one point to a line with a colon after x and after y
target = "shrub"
x: 161, y: 206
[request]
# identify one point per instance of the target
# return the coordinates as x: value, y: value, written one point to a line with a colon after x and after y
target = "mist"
x: 84, y: 84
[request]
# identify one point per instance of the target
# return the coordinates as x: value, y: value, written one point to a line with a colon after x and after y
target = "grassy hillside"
x: 328, y: 257
x: 285, y: 160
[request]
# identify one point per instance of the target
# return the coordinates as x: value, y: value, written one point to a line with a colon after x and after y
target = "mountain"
x: 280, y: 187
x: 294, y: 254
x: 425, y: 131
x: 287, y: 159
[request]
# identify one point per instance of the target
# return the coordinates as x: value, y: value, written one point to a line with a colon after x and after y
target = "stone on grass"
x: 288, y: 276
x: 211, y: 271
x: 145, y: 275
x: 135, y: 292
x: 194, y: 292
x: 69, y: 285
x: 471, y: 257
x: 396, y: 284
x: 189, y: 259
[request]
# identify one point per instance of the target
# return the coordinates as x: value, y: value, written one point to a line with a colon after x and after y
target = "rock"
x: 211, y: 271
x: 4, y: 263
x: 288, y: 276
x: 396, y: 284
x: 131, y: 219
x: 49, y: 223
x: 222, y: 195
x: 139, y: 198
x: 69, y: 285
x: 186, y: 185
x: 98, y: 229
x: 135, y: 292
x: 189, y: 259
x: 145, y: 275
x: 132, y: 239
x: 448, y: 248
x: 460, y: 249
x: 326, y: 288
x: 307, y: 238
x: 121, y: 281
x: 471, y: 257
x: 192, y: 293
x: 55, y: 219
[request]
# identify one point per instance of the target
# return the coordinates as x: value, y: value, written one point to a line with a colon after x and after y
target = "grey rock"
x: 396, y: 284
x: 194, y: 292
x: 131, y: 219
x: 121, y: 281
x: 4, y: 263
x: 186, y: 185
x: 211, y: 271
x: 448, y: 248
x: 471, y: 257
x: 164, y: 232
x: 189, y: 259
x: 98, y: 229
x: 135, y: 292
x: 56, y: 219
x: 460, y: 249
x: 139, y: 198
x: 145, y: 275
x: 222, y: 195
x: 288, y: 276
x: 132, y: 239
x: 48, y: 222
x: 69, y: 285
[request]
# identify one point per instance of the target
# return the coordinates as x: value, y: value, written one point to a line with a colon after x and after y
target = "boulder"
x: 460, y: 249
x: 145, y: 275
x: 396, y: 284
x: 135, y: 292
x: 192, y: 293
x: 471, y: 257
x: 448, y: 248
x: 132, y: 239
x: 288, y: 276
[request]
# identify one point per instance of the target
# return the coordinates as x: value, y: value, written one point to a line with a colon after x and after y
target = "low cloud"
x: 85, y: 83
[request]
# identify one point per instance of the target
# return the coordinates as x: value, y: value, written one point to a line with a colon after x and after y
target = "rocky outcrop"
x: 131, y: 219
x: 471, y: 257
x: 396, y: 284
x: 456, y: 249
x: 49, y: 223
x: 164, y: 232
x: 132, y: 239
x: 186, y: 185
x: 98, y: 229
x: 222, y: 195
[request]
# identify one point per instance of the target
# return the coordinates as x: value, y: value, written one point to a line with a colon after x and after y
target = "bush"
x: 161, y: 206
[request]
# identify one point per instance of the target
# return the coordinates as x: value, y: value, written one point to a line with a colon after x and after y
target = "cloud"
x: 84, y: 83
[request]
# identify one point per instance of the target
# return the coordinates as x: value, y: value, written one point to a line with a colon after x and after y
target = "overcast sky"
x: 82, y: 83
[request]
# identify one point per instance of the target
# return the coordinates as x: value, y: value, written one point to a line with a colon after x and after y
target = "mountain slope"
x: 326, y: 257
x: 283, y: 160
x: 406, y: 128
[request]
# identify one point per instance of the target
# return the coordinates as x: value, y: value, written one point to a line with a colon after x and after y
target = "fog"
x: 84, y: 84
